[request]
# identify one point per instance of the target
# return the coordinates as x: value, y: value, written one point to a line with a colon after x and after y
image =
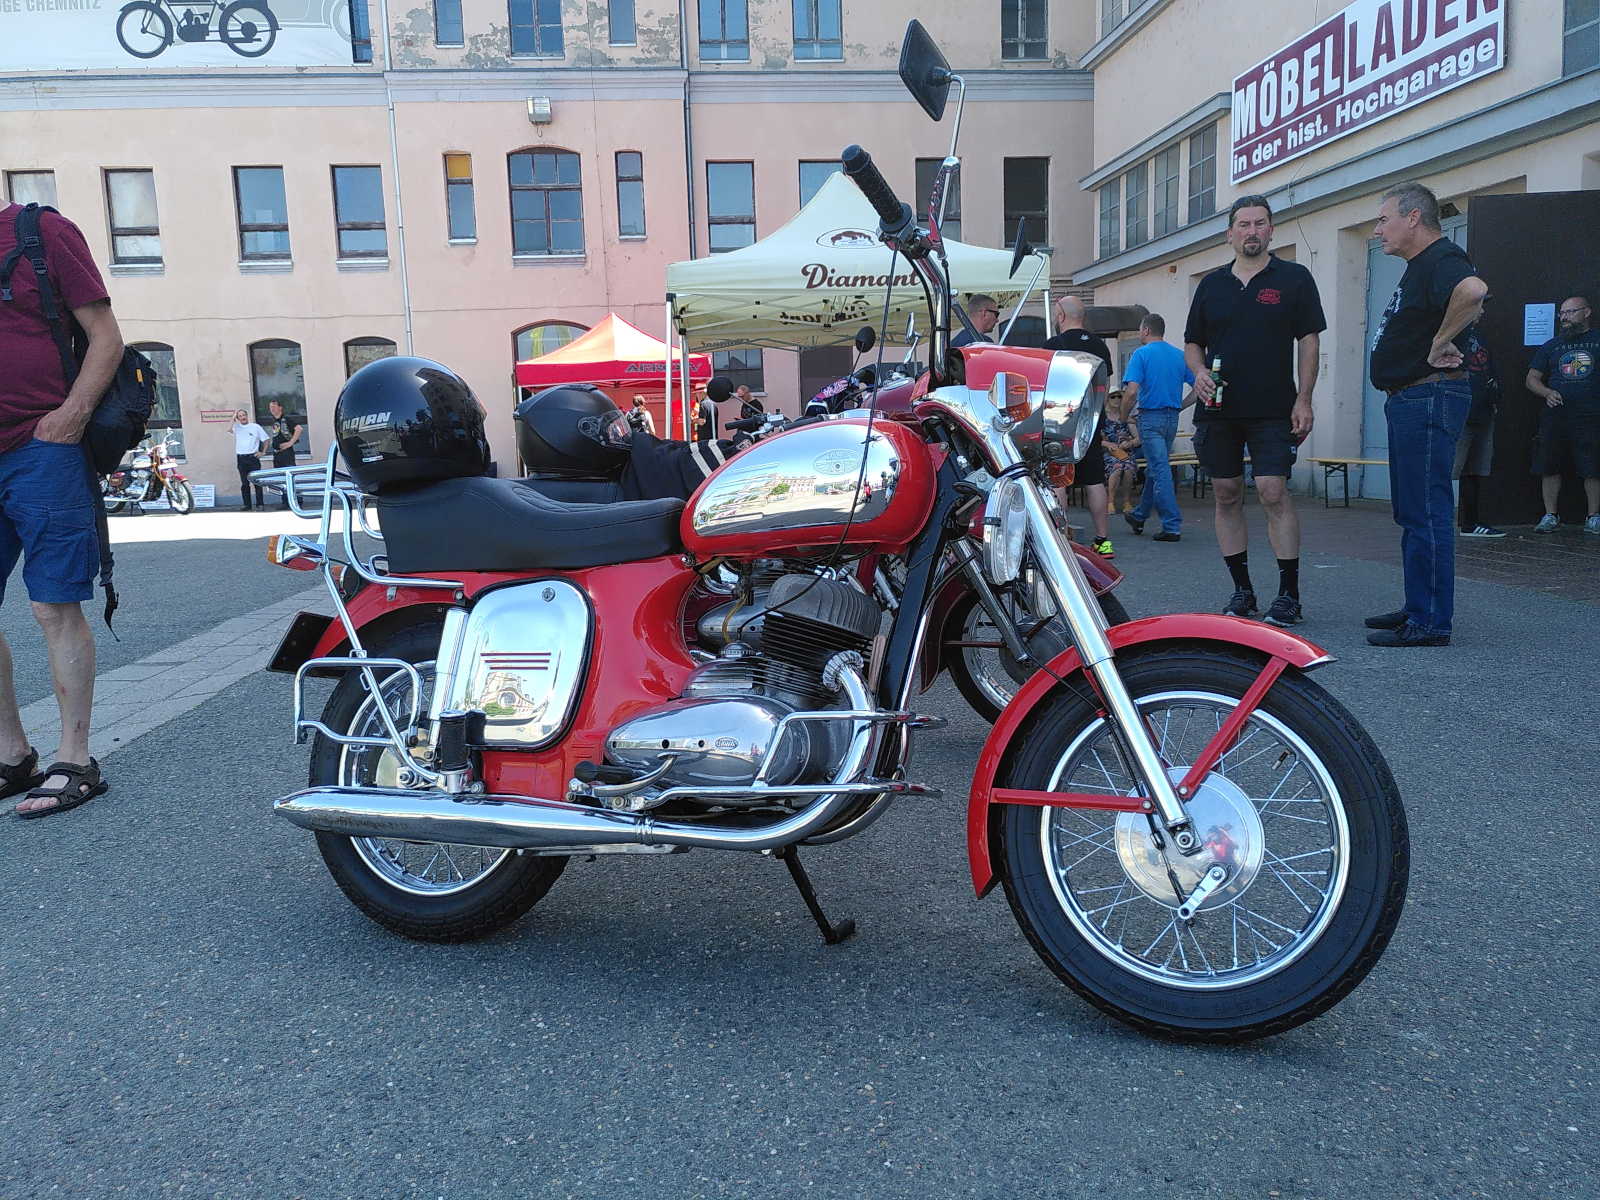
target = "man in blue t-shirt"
x: 1566, y: 375
x: 1153, y: 385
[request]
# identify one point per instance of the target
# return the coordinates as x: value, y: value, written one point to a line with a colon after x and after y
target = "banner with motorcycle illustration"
x: 94, y: 35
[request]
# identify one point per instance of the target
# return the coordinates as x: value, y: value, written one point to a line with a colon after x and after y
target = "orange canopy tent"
x: 620, y: 360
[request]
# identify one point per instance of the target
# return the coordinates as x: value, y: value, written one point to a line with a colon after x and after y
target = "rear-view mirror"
x: 924, y: 70
x: 719, y: 389
x: 866, y: 339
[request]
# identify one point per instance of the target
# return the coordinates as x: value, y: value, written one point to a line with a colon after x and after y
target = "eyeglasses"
x: 1572, y: 312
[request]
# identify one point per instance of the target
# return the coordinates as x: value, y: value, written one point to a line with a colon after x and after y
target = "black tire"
x: 501, y: 895
x: 248, y: 28
x: 975, y: 694
x: 180, y: 496
x: 1345, y: 935
x: 149, y: 19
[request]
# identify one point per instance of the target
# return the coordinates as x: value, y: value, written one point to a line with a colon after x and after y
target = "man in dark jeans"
x: 284, y: 434
x: 1418, y: 358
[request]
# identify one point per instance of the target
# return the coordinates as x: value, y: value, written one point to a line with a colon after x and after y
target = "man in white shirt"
x: 248, y: 438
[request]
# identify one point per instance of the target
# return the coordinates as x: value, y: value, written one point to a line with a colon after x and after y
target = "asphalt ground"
x: 188, y: 1005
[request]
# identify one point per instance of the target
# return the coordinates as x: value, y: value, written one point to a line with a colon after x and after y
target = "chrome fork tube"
x: 1087, y: 623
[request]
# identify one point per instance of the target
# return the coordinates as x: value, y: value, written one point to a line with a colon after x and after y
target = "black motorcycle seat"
x: 578, y: 491
x: 482, y: 524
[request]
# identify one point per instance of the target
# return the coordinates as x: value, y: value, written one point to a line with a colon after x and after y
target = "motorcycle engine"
x: 721, y: 730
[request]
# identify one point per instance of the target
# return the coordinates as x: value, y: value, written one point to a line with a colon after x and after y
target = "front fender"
x: 1181, y: 627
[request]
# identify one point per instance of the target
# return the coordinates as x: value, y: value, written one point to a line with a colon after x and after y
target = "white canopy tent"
x: 820, y: 278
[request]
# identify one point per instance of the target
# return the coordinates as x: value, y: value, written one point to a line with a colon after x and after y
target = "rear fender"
x: 1265, y: 640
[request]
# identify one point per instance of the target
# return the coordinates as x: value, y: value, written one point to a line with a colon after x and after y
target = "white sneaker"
x: 1547, y: 524
x: 1483, y: 531
x: 1592, y: 525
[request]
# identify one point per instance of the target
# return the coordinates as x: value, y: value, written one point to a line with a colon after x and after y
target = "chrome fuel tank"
x: 800, y: 488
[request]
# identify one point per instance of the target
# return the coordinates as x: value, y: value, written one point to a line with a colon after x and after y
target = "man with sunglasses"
x: 1565, y: 374
x: 1261, y: 317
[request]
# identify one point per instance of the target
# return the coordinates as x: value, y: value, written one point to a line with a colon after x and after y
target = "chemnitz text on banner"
x: 1371, y: 60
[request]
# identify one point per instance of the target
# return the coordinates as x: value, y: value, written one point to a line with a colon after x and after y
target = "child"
x: 1118, y: 442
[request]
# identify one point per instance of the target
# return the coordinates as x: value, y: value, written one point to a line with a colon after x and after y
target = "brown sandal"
x: 21, y: 777
x: 82, y: 784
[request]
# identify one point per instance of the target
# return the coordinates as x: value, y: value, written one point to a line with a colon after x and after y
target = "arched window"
x: 546, y: 203
x: 358, y: 352
x: 276, y: 373
x: 534, y: 341
x: 166, y: 415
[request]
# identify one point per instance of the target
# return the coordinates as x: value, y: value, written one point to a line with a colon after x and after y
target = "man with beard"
x: 1566, y: 375
x: 1418, y: 358
x: 1261, y: 317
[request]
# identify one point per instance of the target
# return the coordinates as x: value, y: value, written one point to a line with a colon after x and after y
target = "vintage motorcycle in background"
x: 1191, y: 833
x: 150, y: 474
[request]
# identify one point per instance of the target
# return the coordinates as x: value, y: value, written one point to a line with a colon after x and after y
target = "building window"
x: 1111, y: 218
x: 358, y: 352
x: 358, y: 212
x: 1580, y: 44
x: 621, y: 23
x: 724, y: 30
x: 630, y: 194
x: 731, y: 205
x: 536, y: 28
x: 447, y: 23
x: 135, y: 229
x: 263, y: 213
x: 276, y: 373
x: 535, y: 341
x: 1136, y: 213
x: 1164, y: 193
x: 817, y: 30
x: 360, y: 32
x: 166, y: 418
x: 743, y: 367
x: 1203, y: 174
x: 1023, y: 32
x: 546, y: 203
x: 1027, y: 195
x: 459, y: 208
x: 1111, y: 15
x: 813, y: 175
x: 927, y: 169
x: 31, y: 187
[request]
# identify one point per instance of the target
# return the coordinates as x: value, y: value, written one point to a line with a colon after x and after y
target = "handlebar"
x: 748, y: 425
x: 892, y: 211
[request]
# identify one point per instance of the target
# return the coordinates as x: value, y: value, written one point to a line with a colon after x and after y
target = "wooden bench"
x: 1341, y: 467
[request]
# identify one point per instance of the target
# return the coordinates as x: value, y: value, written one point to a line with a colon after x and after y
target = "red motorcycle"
x: 150, y: 475
x: 1192, y: 834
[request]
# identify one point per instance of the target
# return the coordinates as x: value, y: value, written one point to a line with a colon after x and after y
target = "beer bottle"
x: 1216, y: 378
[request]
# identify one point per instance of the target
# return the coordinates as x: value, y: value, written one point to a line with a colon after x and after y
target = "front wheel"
x: 144, y: 29
x: 430, y: 891
x: 180, y: 496
x: 1302, y: 813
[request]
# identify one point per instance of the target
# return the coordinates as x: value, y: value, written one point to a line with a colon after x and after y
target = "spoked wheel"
x: 248, y: 27
x: 144, y: 29
x: 431, y: 891
x: 983, y: 669
x: 180, y: 496
x: 1302, y: 816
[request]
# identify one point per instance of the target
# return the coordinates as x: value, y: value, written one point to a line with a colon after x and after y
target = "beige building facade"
x: 501, y: 174
x: 1522, y: 115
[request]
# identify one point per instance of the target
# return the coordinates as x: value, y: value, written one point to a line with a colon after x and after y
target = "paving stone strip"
x: 134, y: 699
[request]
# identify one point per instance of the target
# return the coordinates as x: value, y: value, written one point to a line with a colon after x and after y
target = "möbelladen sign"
x: 1372, y: 60
x: 93, y: 35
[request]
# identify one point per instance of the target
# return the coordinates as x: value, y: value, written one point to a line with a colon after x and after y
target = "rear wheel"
x: 1302, y: 814
x: 431, y: 891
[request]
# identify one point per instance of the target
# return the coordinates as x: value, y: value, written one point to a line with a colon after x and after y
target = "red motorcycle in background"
x: 150, y: 474
x: 1191, y: 833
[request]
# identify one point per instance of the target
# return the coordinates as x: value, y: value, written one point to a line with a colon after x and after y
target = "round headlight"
x: 1005, y: 531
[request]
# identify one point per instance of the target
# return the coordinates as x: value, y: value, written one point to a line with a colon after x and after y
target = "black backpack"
x: 122, y: 413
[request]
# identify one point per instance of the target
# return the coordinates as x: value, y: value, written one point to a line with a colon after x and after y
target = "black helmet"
x: 572, y: 431
x: 405, y: 420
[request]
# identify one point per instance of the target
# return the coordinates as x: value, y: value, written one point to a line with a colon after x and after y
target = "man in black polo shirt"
x: 1248, y: 316
x: 1091, y: 472
x: 1418, y: 358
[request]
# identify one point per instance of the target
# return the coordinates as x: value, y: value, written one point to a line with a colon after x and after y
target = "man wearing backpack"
x: 47, y: 498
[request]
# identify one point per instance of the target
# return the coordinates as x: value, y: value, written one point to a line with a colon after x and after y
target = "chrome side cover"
x: 524, y: 650
x: 715, y: 742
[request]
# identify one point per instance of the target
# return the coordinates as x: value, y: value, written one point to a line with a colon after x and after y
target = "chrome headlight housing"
x: 1005, y: 530
x: 1060, y: 427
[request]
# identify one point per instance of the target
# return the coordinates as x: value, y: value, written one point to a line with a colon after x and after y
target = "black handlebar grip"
x: 864, y: 172
x: 748, y: 425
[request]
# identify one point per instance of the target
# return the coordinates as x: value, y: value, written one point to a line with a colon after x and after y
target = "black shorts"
x: 1092, y: 469
x: 1220, y: 444
x: 1568, y: 442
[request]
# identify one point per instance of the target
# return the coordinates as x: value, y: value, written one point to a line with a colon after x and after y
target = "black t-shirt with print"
x: 1252, y: 327
x: 1416, y: 310
x: 1083, y: 341
x: 279, y: 432
x: 1571, y: 366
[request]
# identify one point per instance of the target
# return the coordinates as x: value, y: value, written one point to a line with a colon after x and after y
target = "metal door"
x: 1383, y: 276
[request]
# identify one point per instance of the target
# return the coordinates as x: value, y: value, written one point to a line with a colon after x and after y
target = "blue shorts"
x: 47, y: 517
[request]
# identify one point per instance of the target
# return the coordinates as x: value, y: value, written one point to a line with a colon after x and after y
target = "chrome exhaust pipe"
x: 518, y: 822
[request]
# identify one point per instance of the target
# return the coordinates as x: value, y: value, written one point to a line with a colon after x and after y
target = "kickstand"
x: 831, y: 934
